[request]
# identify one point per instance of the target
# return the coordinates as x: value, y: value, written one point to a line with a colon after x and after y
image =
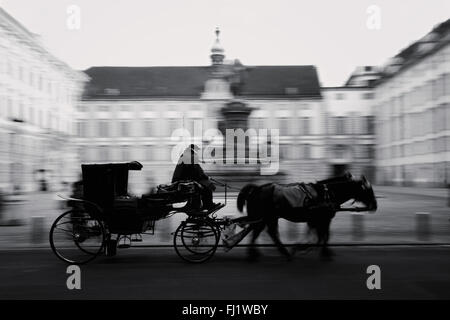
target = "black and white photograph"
x: 224, y: 155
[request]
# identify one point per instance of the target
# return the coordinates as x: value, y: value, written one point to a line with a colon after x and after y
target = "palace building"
x: 38, y: 96
x: 130, y: 113
x: 412, y: 108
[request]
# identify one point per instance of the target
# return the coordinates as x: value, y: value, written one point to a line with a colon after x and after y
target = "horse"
x: 263, y: 210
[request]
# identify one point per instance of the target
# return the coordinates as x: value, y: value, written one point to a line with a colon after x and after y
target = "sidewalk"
x: 429, y: 192
x: 402, y: 212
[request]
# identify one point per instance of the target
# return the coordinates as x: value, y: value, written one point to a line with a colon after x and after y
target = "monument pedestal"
x: 240, y: 164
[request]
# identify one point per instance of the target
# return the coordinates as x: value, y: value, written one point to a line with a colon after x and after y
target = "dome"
x: 217, y: 47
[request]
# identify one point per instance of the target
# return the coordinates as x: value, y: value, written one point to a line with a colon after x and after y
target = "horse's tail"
x: 243, y: 195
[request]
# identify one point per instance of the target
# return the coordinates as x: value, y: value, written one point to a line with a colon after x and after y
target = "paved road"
x: 157, y: 273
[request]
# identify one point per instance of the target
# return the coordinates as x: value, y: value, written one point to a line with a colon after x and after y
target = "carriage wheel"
x: 76, y: 237
x: 196, y: 240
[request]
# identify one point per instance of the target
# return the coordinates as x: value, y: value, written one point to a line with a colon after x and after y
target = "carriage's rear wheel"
x: 196, y: 240
x: 76, y: 237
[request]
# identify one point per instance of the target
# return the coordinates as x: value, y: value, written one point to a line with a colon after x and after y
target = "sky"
x: 332, y: 35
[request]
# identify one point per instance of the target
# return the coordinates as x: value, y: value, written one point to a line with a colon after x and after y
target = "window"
x: 284, y: 151
x: 83, y: 154
x: 40, y: 82
x: 31, y: 115
x: 284, y: 126
x: 193, y: 123
x: 447, y: 83
x: 124, y: 129
x: 447, y: 115
x: 21, y: 111
x: 9, y: 108
x: 293, y: 126
x: 174, y: 124
x: 48, y: 124
x: 367, y: 95
x: 149, y: 153
x: 149, y: 128
x: 125, y: 150
x: 292, y: 91
x: 9, y: 68
x: 40, y: 118
x: 340, y: 126
x: 370, y: 120
x: 103, y: 129
x: 82, y: 129
x: 161, y: 154
x: 307, y: 151
x: 103, y: 153
x: 340, y: 96
x: 305, y: 126
x: 339, y: 151
x: 21, y: 73
x: 360, y: 151
x: 371, y: 151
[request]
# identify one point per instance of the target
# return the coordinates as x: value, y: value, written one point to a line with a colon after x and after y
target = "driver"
x: 188, y: 168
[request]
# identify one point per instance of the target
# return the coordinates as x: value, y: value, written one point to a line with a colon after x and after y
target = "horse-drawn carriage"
x: 107, y: 217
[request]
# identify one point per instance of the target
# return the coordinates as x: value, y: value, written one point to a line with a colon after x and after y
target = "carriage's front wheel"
x: 76, y: 237
x: 196, y: 240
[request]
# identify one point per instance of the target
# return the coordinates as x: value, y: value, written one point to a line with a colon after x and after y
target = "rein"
x: 223, y: 184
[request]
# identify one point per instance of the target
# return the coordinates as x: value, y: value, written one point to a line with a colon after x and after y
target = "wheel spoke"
x: 196, y: 241
x: 75, y: 237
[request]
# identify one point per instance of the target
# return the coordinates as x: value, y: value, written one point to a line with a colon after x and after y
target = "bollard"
x: 357, y: 226
x: 423, y: 226
x: 37, y: 229
x: 13, y: 213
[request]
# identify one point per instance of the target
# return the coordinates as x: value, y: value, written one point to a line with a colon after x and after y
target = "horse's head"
x: 365, y: 194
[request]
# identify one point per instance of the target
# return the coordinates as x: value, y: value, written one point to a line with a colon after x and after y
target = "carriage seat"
x: 295, y: 195
x: 179, y: 191
x: 185, y: 187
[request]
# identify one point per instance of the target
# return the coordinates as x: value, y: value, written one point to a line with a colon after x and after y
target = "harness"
x: 326, y: 193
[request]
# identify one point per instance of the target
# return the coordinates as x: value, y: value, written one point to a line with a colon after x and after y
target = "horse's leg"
x: 302, y: 246
x: 324, y: 230
x: 272, y: 229
x: 253, y: 252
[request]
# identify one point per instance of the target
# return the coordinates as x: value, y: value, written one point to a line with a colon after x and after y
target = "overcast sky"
x: 333, y: 35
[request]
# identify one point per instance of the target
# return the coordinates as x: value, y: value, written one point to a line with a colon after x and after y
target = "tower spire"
x: 217, y: 51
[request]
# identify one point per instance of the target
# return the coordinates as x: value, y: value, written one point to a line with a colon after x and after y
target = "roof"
x: 17, y: 24
x: 188, y: 82
x: 281, y: 81
x: 409, y: 56
x: 8, y: 21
